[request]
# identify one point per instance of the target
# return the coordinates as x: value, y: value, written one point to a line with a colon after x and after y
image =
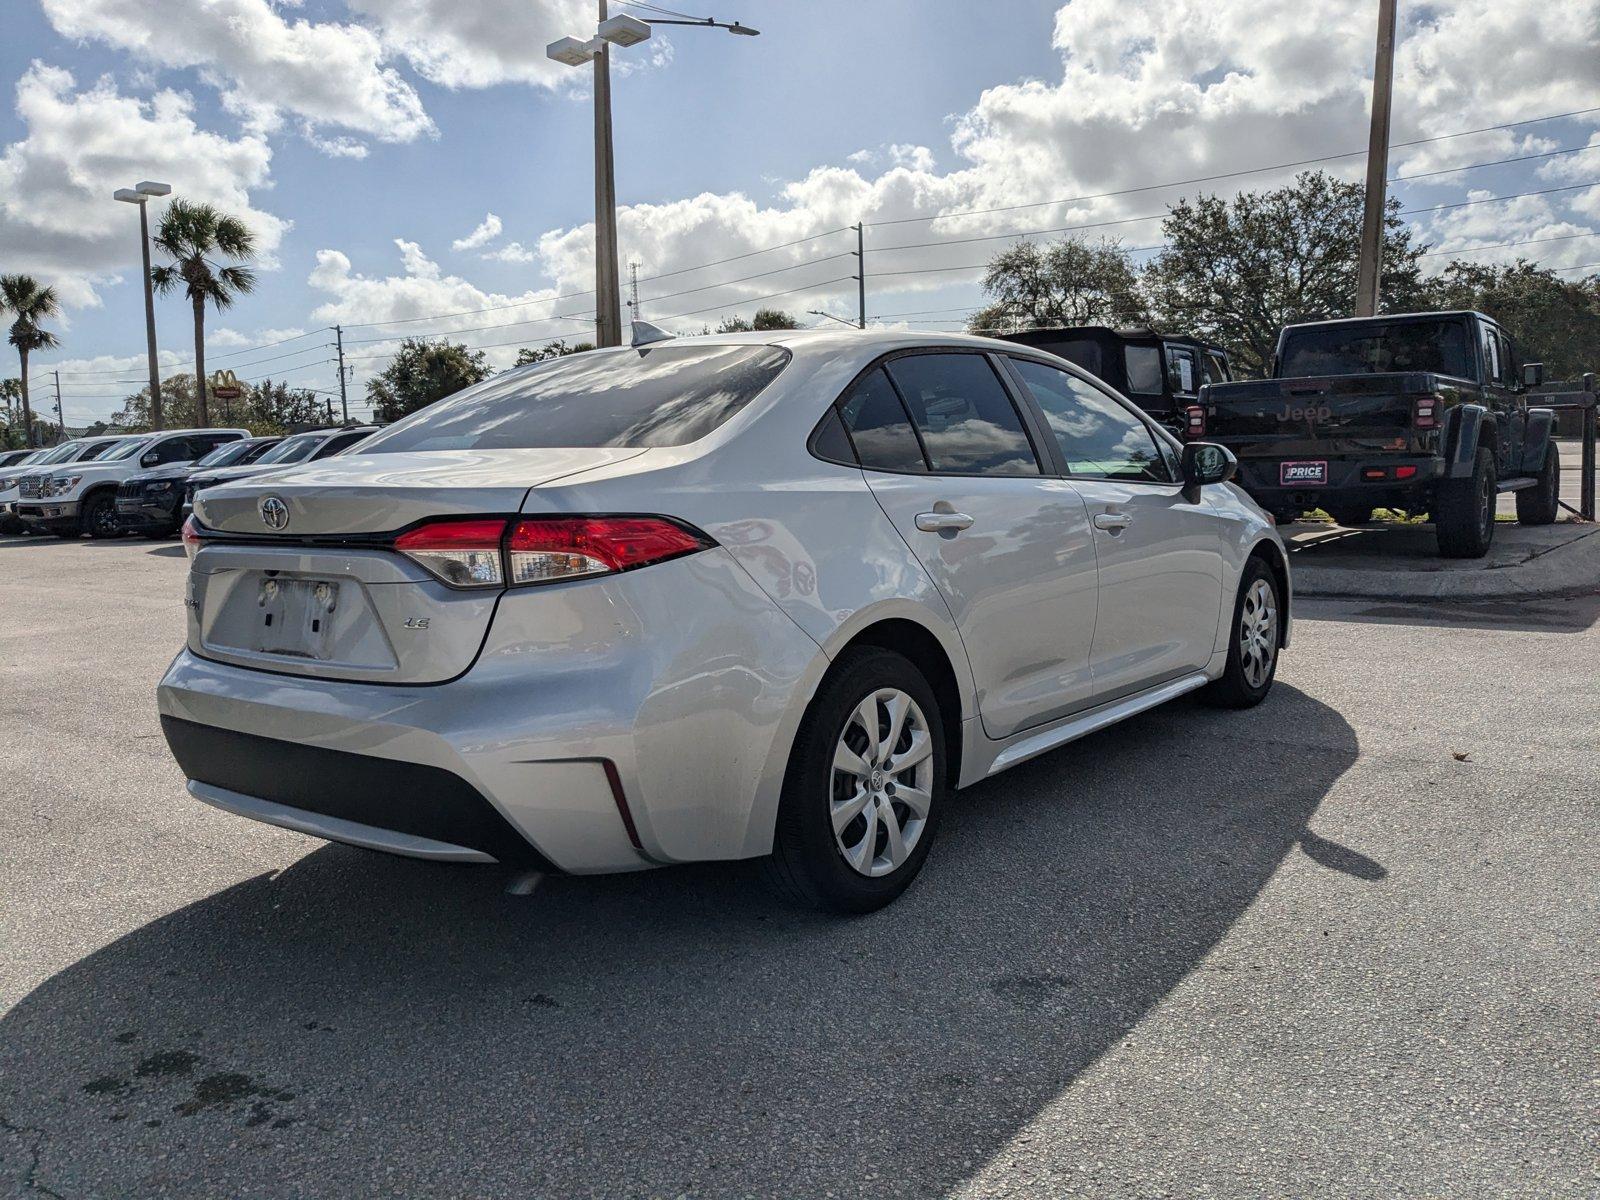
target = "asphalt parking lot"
x: 1339, y: 945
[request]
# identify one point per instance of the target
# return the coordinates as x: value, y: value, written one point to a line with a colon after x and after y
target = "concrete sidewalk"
x: 1401, y: 562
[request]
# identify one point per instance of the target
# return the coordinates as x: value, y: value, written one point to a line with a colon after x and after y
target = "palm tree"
x: 29, y: 304
x: 190, y: 234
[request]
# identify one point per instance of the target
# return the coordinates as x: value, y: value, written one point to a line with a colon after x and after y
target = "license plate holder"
x: 295, y: 616
x: 1302, y: 474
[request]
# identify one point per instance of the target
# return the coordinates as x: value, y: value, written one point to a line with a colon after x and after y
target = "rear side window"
x: 654, y: 396
x: 1099, y: 438
x: 879, y: 426
x: 964, y: 414
x: 1144, y: 369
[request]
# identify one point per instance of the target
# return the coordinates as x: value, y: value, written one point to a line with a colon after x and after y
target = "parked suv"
x: 310, y: 446
x: 1423, y: 412
x: 744, y: 595
x: 82, y: 498
x: 151, y: 502
x: 1160, y: 372
x: 30, y: 483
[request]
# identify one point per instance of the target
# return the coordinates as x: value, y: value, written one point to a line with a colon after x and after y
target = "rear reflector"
x: 1405, y: 472
x: 462, y: 553
x: 542, y: 549
x: 491, y: 552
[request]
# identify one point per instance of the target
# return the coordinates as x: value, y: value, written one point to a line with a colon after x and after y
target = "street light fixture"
x: 140, y: 194
x: 817, y: 312
x: 621, y: 31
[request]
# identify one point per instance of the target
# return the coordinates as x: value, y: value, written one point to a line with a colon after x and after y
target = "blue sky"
x: 363, y: 141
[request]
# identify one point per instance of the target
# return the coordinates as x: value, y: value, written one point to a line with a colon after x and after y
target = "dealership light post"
x: 140, y: 194
x: 575, y: 52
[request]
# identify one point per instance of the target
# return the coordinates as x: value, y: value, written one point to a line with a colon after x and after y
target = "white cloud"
x: 57, y: 218
x: 479, y: 43
x: 511, y: 252
x: 261, y: 62
x: 488, y: 229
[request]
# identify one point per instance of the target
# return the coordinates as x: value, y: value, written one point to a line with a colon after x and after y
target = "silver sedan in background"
x: 723, y: 597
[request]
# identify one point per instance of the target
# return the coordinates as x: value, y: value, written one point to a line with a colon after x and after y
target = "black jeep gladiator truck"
x: 1160, y: 372
x: 1423, y: 412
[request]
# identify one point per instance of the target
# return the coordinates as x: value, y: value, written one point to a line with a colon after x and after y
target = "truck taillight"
x: 1425, y: 413
x: 1194, y: 421
x: 191, y: 536
x: 492, y: 552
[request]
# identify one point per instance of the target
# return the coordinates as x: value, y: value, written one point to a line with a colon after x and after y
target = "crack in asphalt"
x: 31, y: 1176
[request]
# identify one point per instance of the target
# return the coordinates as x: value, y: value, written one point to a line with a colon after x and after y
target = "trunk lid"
x: 1332, y: 415
x: 316, y: 594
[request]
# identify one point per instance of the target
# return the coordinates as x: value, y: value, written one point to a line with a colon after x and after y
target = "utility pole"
x: 1371, y: 268
x: 608, y: 309
x: 861, y: 275
x: 344, y: 400
x: 61, y: 419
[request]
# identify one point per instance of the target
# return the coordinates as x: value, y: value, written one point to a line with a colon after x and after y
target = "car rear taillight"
x: 462, y: 553
x: 191, y: 537
x: 491, y: 552
x: 1425, y: 413
x: 1194, y: 421
x: 542, y: 549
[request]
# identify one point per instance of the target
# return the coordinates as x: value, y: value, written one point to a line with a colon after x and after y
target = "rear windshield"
x: 1375, y: 347
x: 654, y: 396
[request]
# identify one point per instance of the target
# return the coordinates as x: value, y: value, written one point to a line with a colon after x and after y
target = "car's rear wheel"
x: 1541, y: 504
x: 862, y: 795
x: 1253, y: 644
x: 1351, y: 516
x: 1464, y: 511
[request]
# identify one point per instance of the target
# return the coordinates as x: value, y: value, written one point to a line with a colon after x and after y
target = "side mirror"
x: 149, y: 459
x: 1203, y: 463
x: 1532, y: 374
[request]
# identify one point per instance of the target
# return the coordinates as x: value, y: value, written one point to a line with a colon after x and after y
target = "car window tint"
x: 1144, y: 369
x: 967, y: 421
x: 831, y: 442
x: 879, y: 427
x: 1098, y: 436
x: 652, y: 396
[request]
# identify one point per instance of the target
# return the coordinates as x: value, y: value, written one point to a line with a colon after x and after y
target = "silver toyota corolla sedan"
x: 723, y: 597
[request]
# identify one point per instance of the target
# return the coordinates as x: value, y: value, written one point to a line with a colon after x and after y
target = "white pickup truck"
x: 77, y: 498
x: 39, y: 462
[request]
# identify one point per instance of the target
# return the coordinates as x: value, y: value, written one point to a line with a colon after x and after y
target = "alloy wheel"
x: 1258, y: 633
x: 881, y: 786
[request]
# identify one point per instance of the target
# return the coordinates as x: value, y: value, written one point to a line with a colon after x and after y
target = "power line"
x: 1284, y: 166
x: 1565, y: 237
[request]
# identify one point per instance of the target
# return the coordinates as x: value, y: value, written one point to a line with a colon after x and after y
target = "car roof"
x: 1411, y: 316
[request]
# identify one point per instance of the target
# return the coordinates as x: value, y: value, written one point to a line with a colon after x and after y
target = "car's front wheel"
x: 1254, y: 643
x: 866, y: 777
x: 98, y: 517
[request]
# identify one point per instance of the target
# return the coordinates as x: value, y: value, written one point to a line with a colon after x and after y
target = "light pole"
x: 140, y: 194
x: 1370, y: 271
x: 574, y: 52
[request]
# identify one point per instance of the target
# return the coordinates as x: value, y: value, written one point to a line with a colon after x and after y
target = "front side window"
x: 173, y: 450
x: 1144, y: 369
x: 879, y: 427
x: 1098, y: 436
x: 661, y: 395
x: 1213, y: 369
x: 342, y: 441
x: 967, y: 421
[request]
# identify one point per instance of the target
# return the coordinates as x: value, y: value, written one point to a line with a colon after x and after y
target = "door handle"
x: 937, y: 522
x: 1112, y: 522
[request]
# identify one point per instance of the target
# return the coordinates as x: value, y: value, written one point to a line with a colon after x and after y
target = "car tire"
x: 822, y: 856
x: 1254, y: 640
x: 98, y: 517
x: 1352, y: 516
x: 1464, y: 511
x: 1541, y: 504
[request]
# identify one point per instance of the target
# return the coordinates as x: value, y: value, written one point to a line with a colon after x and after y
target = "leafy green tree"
x: 276, y: 407
x: 1236, y: 271
x: 421, y: 373
x: 765, y: 319
x: 194, y: 236
x: 1069, y: 282
x: 28, y: 304
x: 1553, y: 320
x: 556, y: 349
x: 177, y: 406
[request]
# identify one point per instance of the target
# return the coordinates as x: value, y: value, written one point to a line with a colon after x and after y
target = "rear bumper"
x: 608, y: 725
x: 1346, y: 484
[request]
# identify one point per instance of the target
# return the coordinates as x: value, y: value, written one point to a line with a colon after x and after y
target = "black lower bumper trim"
x: 424, y: 801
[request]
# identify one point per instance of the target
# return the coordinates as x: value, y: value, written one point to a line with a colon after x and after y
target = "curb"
x: 1560, y: 570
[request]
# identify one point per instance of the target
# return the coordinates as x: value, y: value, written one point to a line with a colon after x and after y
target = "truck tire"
x: 1541, y: 505
x: 1463, y: 513
x: 98, y: 516
x: 1351, y: 516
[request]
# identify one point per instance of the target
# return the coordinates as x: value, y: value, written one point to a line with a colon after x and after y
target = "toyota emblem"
x: 274, y: 512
